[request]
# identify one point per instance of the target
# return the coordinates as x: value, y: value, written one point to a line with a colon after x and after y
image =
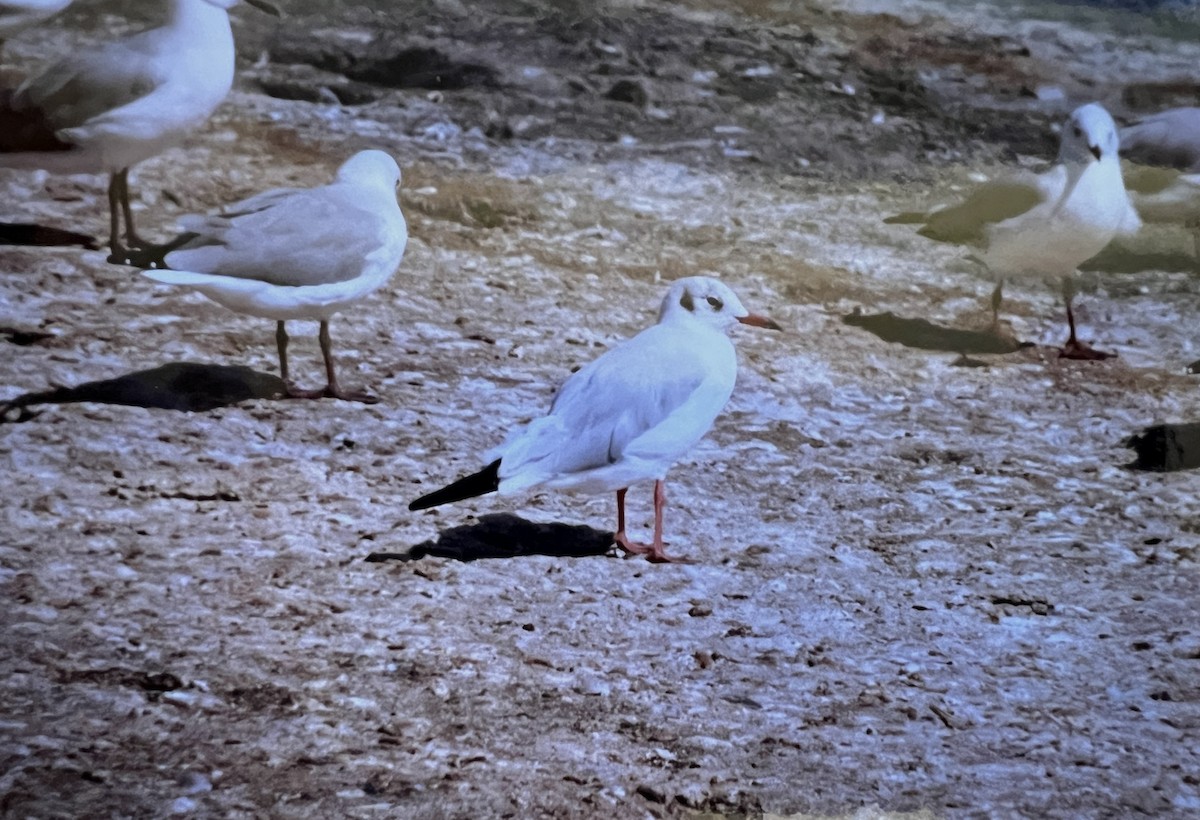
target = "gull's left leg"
x: 333, y: 390
x: 997, y: 298
x: 619, y: 537
x: 119, y: 254
x: 1075, y: 349
x: 290, y: 390
x: 655, y: 550
x: 132, y: 239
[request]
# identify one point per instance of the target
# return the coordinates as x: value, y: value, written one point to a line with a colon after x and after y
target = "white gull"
x: 628, y: 415
x: 109, y: 107
x: 1045, y: 225
x: 304, y: 253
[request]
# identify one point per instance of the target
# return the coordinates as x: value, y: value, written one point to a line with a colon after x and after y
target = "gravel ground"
x: 917, y: 587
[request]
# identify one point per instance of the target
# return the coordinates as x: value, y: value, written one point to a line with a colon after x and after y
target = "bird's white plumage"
x: 124, y: 101
x: 628, y: 415
x: 18, y: 15
x: 1048, y: 224
x: 298, y: 253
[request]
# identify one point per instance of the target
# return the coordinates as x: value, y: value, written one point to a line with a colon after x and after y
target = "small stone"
x: 628, y: 91
x: 652, y: 793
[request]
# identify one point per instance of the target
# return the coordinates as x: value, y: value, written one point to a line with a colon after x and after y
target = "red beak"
x: 754, y: 320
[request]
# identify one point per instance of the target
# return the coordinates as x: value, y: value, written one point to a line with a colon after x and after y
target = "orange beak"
x: 754, y: 320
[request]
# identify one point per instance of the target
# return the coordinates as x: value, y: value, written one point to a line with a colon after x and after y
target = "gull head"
x: 370, y: 168
x: 1089, y: 135
x: 710, y: 302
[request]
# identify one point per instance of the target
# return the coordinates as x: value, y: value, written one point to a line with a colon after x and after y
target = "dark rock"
x: 652, y: 793
x: 1166, y: 447
x: 421, y: 67
x: 628, y: 91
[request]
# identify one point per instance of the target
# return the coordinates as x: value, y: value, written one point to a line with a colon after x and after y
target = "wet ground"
x: 923, y: 579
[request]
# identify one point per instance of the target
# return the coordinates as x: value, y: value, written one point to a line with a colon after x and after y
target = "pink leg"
x: 653, y: 551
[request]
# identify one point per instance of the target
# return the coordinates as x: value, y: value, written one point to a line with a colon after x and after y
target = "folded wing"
x: 285, y: 237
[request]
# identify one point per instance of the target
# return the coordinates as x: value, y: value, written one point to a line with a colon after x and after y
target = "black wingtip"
x: 485, y: 481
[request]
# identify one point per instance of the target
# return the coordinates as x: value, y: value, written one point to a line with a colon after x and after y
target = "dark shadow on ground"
x: 187, y: 386
x: 504, y: 535
x: 1117, y: 258
x: 1163, y: 448
x: 925, y: 335
x: 26, y: 233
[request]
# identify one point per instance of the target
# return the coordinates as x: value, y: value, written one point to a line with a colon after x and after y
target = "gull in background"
x: 1167, y: 189
x: 1046, y: 224
x: 18, y: 15
x: 1168, y: 139
x: 109, y: 107
x: 298, y: 254
x: 628, y: 415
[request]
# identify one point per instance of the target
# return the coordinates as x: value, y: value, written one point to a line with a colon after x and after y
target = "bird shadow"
x: 925, y: 335
x: 1165, y: 448
x: 504, y: 535
x: 186, y: 386
x: 1117, y: 258
x: 28, y: 233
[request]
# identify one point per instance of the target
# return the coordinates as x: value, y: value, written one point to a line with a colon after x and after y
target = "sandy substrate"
x: 914, y: 585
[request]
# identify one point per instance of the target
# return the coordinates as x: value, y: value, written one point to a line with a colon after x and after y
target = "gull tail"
x: 485, y: 481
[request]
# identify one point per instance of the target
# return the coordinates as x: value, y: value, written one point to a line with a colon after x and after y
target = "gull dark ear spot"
x: 686, y: 302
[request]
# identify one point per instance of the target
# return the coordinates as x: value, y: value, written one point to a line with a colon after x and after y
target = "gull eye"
x: 716, y: 303
x: 1078, y: 131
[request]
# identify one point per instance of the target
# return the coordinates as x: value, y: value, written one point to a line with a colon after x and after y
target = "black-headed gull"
x: 107, y: 108
x: 1046, y: 224
x: 298, y: 254
x: 18, y: 15
x: 628, y: 415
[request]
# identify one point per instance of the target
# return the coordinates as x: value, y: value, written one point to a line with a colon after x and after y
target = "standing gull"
x: 298, y: 254
x: 1046, y: 224
x: 1169, y: 139
x: 18, y: 15
x: 107, y: 108
x: 628, y: 415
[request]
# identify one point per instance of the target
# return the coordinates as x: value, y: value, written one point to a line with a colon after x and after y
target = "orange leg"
x: 654, y: 551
